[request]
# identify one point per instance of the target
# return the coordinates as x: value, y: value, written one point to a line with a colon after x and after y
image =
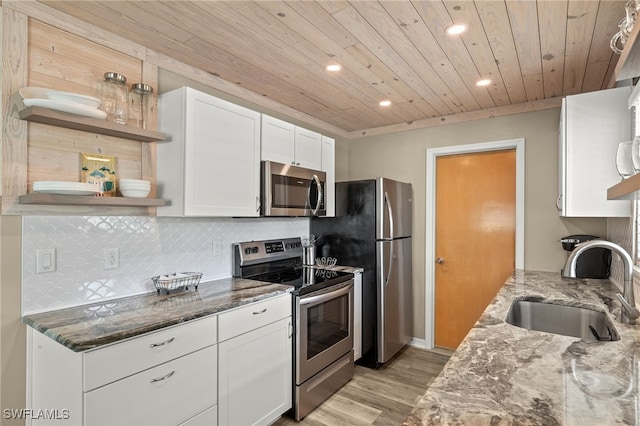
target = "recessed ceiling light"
x: 385, y: 103
x: 484, y: 82
x: 456, y: 29
x: 333, y: 67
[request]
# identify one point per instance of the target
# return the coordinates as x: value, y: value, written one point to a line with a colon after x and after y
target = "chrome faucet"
x: 629, y: 311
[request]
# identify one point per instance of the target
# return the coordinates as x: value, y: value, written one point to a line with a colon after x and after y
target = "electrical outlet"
x: 111, y: 258
x: 45, y: 260
x: 217, y: 247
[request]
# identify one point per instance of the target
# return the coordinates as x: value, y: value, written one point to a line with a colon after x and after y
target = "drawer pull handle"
x: 166, y: 342
x: 159, y: 379
x: 261, y: 312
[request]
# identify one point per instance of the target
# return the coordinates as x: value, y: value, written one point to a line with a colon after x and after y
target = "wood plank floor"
x: 379, y: 397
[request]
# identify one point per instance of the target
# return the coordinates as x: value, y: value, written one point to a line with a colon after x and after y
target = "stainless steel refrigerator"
x: 372, y: 229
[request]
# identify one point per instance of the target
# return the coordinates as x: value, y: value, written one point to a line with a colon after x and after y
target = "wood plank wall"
x: 63, y: 61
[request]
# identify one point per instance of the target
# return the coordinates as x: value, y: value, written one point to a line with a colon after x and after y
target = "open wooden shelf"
x: 628, y: 65
x: 87, y: 124
x: 87, y: 200
x: 625, y: 190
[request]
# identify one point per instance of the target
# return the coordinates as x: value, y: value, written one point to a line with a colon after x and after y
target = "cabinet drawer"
x: 168, y: 394
x: 255, y: 315
x: 206, y: 418
x: 114, y: 362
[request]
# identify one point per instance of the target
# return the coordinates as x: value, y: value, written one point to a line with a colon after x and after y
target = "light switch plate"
x: 45, y: 260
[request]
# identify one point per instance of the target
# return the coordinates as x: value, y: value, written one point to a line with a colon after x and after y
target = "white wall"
x: 402, y: 156
x: 149, y: 246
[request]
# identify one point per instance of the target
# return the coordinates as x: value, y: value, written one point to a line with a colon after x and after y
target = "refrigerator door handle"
x: 390, y: 211
x: 386, y: 281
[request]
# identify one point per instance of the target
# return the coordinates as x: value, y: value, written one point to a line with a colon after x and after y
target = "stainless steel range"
x: 323, y: 309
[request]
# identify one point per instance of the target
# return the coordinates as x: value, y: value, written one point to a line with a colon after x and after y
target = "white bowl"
x: 135, y: 181
x: 76, y: 98
x: 134, y: 185
x: 134, y: 193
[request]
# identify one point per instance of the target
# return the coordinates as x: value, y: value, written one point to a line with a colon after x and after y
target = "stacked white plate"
x: 73, y: 103
x: 135, y: 188
x: 66, y: 188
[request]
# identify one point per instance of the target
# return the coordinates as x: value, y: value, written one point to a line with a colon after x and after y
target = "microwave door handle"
x: 316, y: 181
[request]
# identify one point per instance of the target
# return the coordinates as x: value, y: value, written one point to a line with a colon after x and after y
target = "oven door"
x: 292, y: 191
x: 324, y: 321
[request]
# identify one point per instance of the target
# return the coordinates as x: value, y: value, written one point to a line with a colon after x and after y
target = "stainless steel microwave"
x: 288, y: 190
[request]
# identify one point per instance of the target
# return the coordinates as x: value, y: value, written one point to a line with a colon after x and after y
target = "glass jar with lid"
x: 141, y: 98
x: 114, y: 95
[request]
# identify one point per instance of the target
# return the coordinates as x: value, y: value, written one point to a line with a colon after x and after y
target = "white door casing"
x: 430, y: 225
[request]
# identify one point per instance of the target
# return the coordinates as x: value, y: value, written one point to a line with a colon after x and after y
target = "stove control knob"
x: 247, y: 250
x: 254, y: 250
x: 287, y: 246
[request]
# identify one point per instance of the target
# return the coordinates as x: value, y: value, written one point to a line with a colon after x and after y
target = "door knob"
x: 440, y: 260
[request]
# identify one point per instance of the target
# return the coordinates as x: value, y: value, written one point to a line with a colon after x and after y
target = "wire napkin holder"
x: 177, y: 281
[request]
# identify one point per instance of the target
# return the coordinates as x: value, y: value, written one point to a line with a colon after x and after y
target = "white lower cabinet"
x: 206, y: 418
x: 255, y: 367
x: 233, y: 368
x: 166, y: 377
x: 164, y: 395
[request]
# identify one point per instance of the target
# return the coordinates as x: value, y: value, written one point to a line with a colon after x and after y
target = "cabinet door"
x: 277, y: 140
x: 222, y: 173
x: 329, y: 167
x: 255, y: 379
x: 308, y: 151
x: 595, y: 123
x: 211, y: 164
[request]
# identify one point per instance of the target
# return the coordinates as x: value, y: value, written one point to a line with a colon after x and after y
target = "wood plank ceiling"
x: 531, y: 51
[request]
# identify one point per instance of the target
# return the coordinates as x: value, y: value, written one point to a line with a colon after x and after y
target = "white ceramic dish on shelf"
x: 65, y: 188
x: 77, y: 98
x: 134, y: 193
x: 38, y: 96
x: 138, y: 182
x: 67, y: 107
x: 33, y: 93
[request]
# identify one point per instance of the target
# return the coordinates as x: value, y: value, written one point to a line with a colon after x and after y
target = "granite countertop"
x: 90, y: 326
x: 504, y: 375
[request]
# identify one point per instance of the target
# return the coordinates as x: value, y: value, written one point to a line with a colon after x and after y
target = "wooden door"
x: 475, y: 237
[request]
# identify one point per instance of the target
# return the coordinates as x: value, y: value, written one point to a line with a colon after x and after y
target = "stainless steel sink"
x: 587, y: 323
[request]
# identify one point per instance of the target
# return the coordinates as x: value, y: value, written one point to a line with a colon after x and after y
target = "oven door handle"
x: 326, y: 296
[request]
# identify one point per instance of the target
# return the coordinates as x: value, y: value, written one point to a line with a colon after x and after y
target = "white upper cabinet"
x: 277, y: 140
x: 329, y: 167
x: 211, y: 164
x: 308, y: 149
x: 289, y: 144
x: 591, y: 127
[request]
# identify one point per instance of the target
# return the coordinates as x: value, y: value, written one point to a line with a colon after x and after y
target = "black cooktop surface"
x: 305, y: 279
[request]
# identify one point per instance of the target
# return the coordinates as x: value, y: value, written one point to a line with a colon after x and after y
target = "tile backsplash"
x: 148, y: 246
